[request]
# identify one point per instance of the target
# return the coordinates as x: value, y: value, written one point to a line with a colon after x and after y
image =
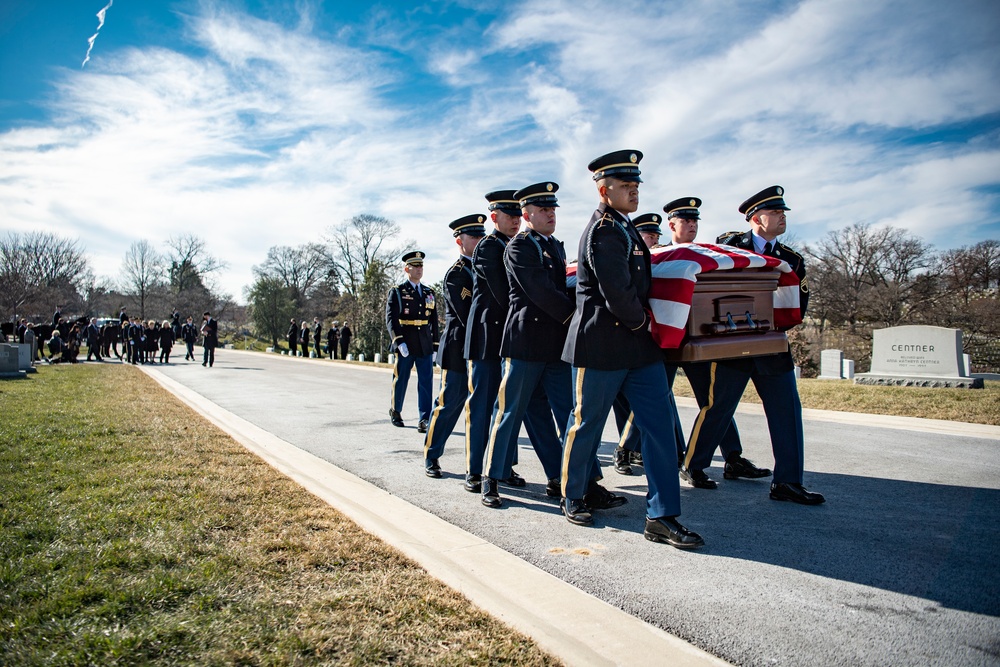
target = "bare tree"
x: 358, y: 244
x: 39, y: 270
x: 300, y: 269
x: 142, y: 273
x: 190, y: 262
x: 867, y: 273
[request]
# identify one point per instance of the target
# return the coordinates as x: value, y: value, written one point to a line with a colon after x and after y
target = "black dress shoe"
x: 422, y: 426
x: 576, y: 511
x: 396, y: 419
x: 432, y: 469
x: 473, y: 483
x: 491, y: 493
x: 621, y: 461
x: 667, y: 530
x: 741, y: 467
x: 553, y: 488
x: 599, y: 498
x: 635, y: 458
x: 698, y: 479
x: 514, y: 480
x: 796, y: 493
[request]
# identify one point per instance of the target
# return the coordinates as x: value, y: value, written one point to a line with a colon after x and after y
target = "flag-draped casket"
x: 719, y: 302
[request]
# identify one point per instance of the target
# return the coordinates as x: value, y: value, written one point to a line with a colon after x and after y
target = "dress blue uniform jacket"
x: 540, y: 306
x: 412, y: 319
x: 490, y: 299
x: 458, y: 300
x: 610, y: 325
x: 772, y: 364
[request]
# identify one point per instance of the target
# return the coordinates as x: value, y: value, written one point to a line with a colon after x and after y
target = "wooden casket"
x: 732, y: 316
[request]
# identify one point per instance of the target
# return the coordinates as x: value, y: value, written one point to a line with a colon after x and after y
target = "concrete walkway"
x: 898, y: 567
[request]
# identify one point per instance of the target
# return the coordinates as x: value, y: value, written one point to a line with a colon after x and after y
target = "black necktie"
x: 768, y: 250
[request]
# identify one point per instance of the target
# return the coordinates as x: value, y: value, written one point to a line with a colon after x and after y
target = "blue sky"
x: 254, y: 124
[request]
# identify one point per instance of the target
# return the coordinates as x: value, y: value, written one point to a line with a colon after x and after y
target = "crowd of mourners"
x: 302, y: 338
x: 141, y: 341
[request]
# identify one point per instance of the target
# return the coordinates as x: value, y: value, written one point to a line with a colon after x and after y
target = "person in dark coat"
x: 773, y: 375
x: 93, y: 335
x: 189, y: 332
x: 175, y: 324
x: 166, y: 341
x: 304, y: 340
x: 317, y: 334
x: 345, y: 340
x: 534, y: 332
x: 332, y: 338
x: 210, y: 332
x: 454, y: 390
x: 411, y: 318
x: 293, y: 338
x: 612, y: 351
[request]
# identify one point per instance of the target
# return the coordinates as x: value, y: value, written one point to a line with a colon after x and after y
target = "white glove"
x: 403, y: 350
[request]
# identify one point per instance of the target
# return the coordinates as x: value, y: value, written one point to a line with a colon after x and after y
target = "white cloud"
x: 266, y: 134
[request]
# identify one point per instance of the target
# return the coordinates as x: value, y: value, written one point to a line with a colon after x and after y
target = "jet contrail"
x: 100, y: 17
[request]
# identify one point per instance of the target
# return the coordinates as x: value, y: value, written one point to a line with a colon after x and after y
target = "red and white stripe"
x: 675, y: 272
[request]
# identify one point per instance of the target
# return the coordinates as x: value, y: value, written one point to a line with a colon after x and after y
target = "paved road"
x: 899, y: 567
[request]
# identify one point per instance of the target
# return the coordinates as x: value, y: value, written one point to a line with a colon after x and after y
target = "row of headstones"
x: 15, y: 360
x: 390, y: 359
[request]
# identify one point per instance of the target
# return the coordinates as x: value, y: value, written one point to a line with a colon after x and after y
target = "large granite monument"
x: 918, y: 356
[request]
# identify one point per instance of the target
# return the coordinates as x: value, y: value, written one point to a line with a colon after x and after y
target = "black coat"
x: 490, y: 299
x: 457, y: 300
x: 610, y: 327
x: 411, y: 318
x: 540, y: 306
x: 771, y: 364
x: 210, y: 330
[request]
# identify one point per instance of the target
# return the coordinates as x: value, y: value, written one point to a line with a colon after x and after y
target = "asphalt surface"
x: 900, y: 566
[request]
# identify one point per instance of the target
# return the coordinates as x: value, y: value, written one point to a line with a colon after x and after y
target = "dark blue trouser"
x: 654, y: 412
x: 448, y: 407
x: 425, y: 380
x: 484, y: 386
x: 520, y: 382
x: 780, y: 396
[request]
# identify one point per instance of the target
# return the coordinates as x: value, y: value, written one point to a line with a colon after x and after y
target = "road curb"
x: 573, y: 625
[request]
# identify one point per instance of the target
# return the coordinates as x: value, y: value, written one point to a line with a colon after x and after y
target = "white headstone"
x: 831, y: 364
x: 798, y: 372
x: 9, y: 361
x: 361, y: 357
x: 350, y: 357
x: 392, y: 359
x: 968, y: 363
x: 378, y: 358
x: 848, y: 369
x: 918, y: 356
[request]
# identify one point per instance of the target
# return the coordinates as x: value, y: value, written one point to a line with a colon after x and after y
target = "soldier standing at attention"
x: 773, y: 375
x: 318, y: 337
x: 612, y: 351
x: 484, y: 333
x: 454, y: 374
x: 534, y: 333
x: 412, y: 321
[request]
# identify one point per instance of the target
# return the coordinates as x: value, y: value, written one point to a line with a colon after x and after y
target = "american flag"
x: 675, y: 271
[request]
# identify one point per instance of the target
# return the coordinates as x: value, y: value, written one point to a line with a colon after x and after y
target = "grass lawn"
x: 133, y: 532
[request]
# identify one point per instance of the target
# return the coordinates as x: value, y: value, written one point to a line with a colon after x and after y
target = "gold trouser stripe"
x: 415, y: 323
x: 468, y: 417
x: 501, y: 406
x: 693, y: 440
x: 571, y: 436
x: 626, y: 430
x: 395, y: 378
x: 437, y: 411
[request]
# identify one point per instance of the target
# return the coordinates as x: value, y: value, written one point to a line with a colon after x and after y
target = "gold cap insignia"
x: 779, y: 190
x: 632, y: 158
x: 420, y: 255
x: 548, y: 186
x: 693, y: 203
x: 656, y: 218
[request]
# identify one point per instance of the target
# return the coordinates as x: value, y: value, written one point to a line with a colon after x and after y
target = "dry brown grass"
x: 975, y: 406
x: 134, y: 532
